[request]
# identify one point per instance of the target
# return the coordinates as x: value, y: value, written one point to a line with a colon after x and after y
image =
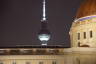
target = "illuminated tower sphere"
x: 44, y: 34
x: 83, y: 29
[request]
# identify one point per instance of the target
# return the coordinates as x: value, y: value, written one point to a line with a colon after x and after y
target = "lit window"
x: 84, y: 35
x: 78, y: 36
x: 91, y: 35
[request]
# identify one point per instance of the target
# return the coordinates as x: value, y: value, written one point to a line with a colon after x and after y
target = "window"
x: 40, y: 62
x: 54, y: 51
x: 78, y: 60
x: 14, y: 63
x: 14, y: 52
x: 84, y: 35
x: 78, y: 36
x: 54, y: 62
x: 1, y: 62
x: 40, y: 51
x: 91, y: 35
x: 78, y: 44
x: 28, y: 63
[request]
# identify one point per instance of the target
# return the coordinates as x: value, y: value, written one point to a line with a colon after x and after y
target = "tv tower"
x: 44, y: 34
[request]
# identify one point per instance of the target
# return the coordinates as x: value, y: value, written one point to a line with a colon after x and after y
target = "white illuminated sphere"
x: 44, y: 37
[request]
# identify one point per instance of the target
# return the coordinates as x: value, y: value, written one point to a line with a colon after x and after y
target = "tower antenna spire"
x: 44, y: 11
x: 44, y: 34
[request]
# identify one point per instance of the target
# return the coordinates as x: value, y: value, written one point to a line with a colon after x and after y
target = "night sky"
x: 20, y: 21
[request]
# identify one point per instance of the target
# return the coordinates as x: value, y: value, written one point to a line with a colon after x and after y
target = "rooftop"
x: 35, y: 46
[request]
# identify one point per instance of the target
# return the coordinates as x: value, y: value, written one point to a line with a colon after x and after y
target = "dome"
x: 87, y: 8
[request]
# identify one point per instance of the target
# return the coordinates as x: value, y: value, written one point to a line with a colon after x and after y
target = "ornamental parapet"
x: 84, y: 20
x: 31, y: 51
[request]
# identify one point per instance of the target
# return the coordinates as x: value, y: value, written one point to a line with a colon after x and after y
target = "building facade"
x: 83, y: 35
x: 82, y: 32
x: 32, y: 55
